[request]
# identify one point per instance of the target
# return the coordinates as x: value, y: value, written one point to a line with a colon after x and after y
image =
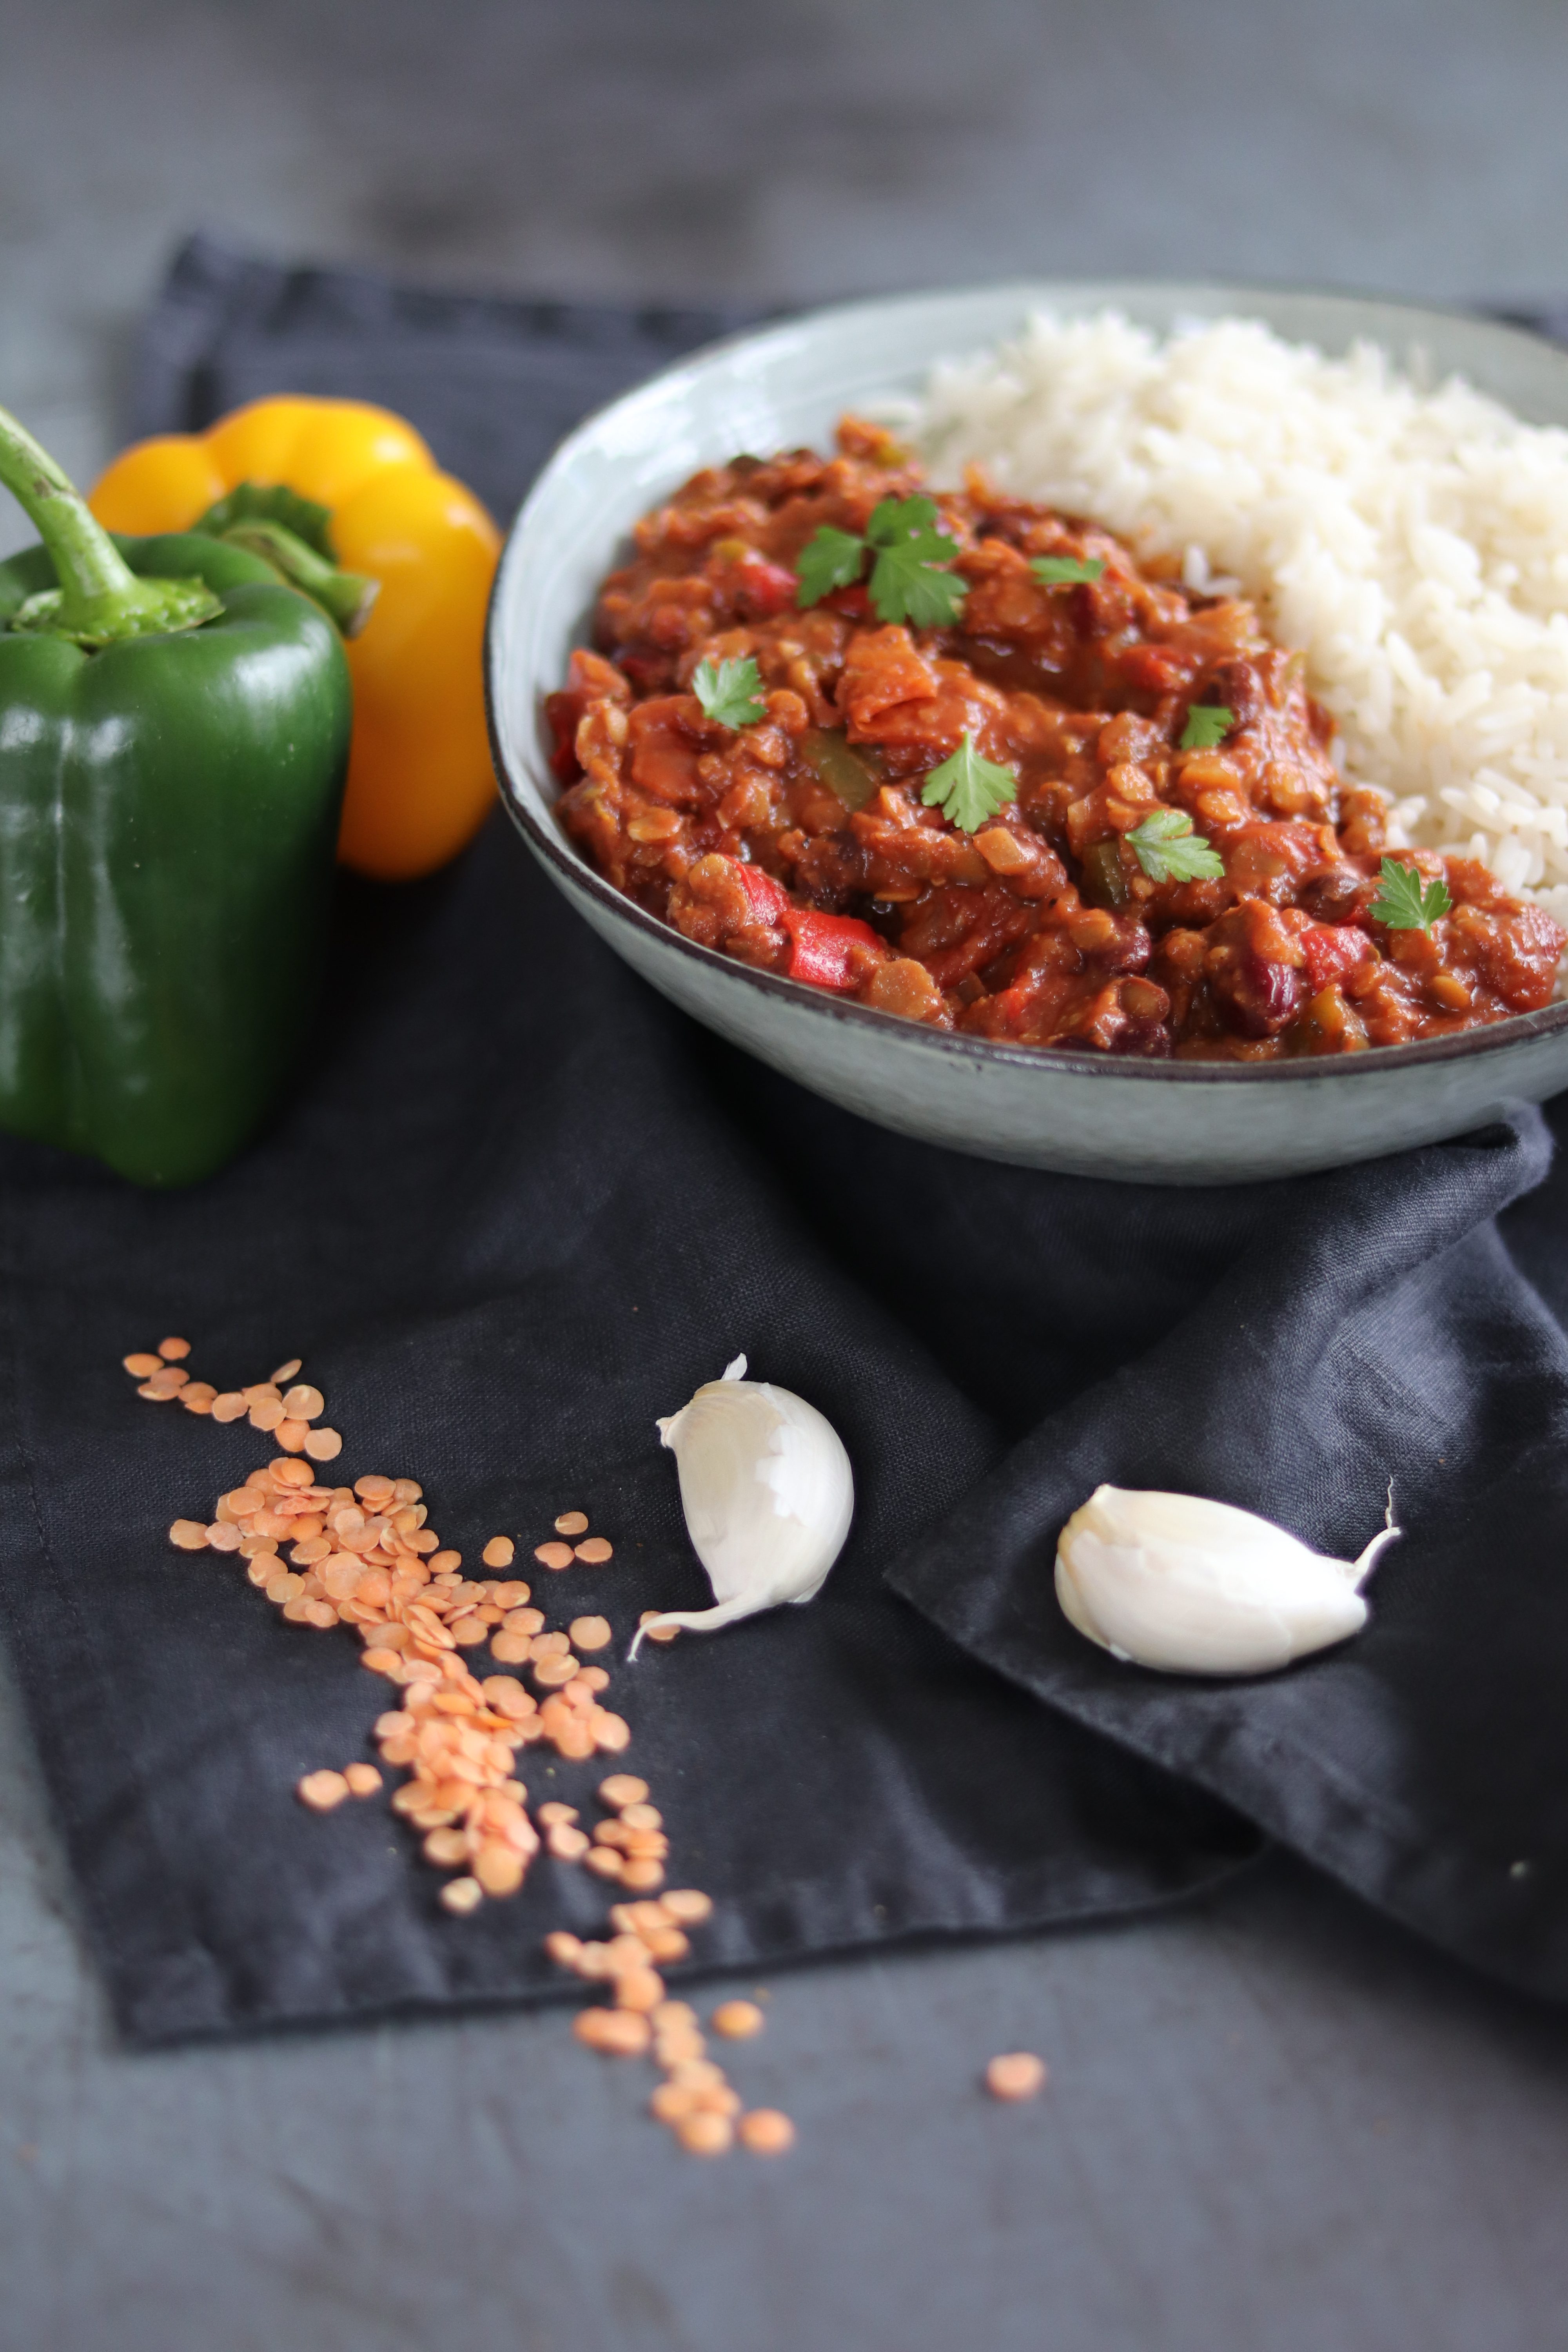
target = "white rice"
x: 1414, y: 543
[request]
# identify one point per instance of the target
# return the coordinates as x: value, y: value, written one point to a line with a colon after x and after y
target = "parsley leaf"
x: 1208, y: 723
x: 1168, y: 849
x: 1065, y: 570
x: 1401, y: 902
x: 969, y: 789
x: 731, y: 693
x: 909, y: 580
x: 829, y: 560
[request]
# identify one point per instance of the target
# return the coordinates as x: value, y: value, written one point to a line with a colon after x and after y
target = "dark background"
x: 1274, y: 2125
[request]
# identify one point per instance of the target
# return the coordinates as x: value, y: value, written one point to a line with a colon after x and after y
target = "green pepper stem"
x: 100, y: 598
x: 86, y: 559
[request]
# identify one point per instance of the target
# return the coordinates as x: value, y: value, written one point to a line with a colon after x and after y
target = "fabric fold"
x: 1374, y: 1327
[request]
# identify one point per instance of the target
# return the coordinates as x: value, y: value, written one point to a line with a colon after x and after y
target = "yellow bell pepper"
x: 420, y: 781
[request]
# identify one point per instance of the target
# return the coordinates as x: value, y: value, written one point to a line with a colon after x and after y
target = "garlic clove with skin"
x: 1192, y: 1587
x: 767, y: 1491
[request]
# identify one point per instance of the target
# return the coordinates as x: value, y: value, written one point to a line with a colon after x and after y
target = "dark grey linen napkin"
x: 518, y: 1207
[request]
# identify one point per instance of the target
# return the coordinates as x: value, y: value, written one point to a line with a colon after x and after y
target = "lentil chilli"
x: 1059, y: 801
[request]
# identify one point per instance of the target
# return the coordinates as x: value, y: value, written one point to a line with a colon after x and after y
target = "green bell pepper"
x: 173, y: 740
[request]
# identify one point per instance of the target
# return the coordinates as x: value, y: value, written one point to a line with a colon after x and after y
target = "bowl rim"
x: 573, y: 871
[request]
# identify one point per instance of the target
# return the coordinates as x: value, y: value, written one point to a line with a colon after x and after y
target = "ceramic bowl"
x: 1144, y: 1121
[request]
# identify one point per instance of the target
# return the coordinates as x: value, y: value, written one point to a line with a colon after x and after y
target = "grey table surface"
x: 1274, y: 2123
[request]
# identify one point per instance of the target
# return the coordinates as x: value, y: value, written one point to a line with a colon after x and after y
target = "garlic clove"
x: 768, y: 1495
x: 1188, y: 1586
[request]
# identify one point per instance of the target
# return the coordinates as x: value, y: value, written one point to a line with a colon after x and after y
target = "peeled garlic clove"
x: 1192, y: 1587
x: 767, y: 1491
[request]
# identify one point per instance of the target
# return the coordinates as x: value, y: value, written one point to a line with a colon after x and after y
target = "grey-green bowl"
x: 1144, y: 1121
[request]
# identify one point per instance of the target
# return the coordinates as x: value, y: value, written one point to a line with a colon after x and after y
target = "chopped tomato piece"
x: 824, y: 947
x: 854, y: 604
x: 1332, y: 953
x: 766, y: 588
x: 562, y: 713
x: 1156, y: 668
x: 768, y: 899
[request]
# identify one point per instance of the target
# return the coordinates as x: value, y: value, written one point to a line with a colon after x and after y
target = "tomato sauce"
x: 800, y: 842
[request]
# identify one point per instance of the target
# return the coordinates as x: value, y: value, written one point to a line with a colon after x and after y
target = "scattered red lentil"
x: 656, y: 1632
x: 322, y: 1790
x: 705, y: 2135
x: 618, y: 2032
x: 685, y: 1905
x: 1018, y: 2075
x: 173, y: 1351
x: 766, y: 2132
x: 737, y: 2020
x: 367, y: 1558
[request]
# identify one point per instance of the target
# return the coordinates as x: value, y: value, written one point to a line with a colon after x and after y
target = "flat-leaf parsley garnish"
x: 1401, y: 902
x: 833, y: 559
x: 968, y: 789
x: 731, y: 694
x: 1208, y: 723
x: 1168, y: 849
x: 910, y: 579
x: 1066, y: 571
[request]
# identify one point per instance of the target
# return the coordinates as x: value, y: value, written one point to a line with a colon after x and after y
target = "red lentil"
x: 1018, y: 2075
x: 705, y: 2135
x: 766, y: 2132
x: 322, y: 1790
x: 737, y: 2020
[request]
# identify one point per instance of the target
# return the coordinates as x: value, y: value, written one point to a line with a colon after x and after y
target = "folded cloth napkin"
x: 518, y: 1207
